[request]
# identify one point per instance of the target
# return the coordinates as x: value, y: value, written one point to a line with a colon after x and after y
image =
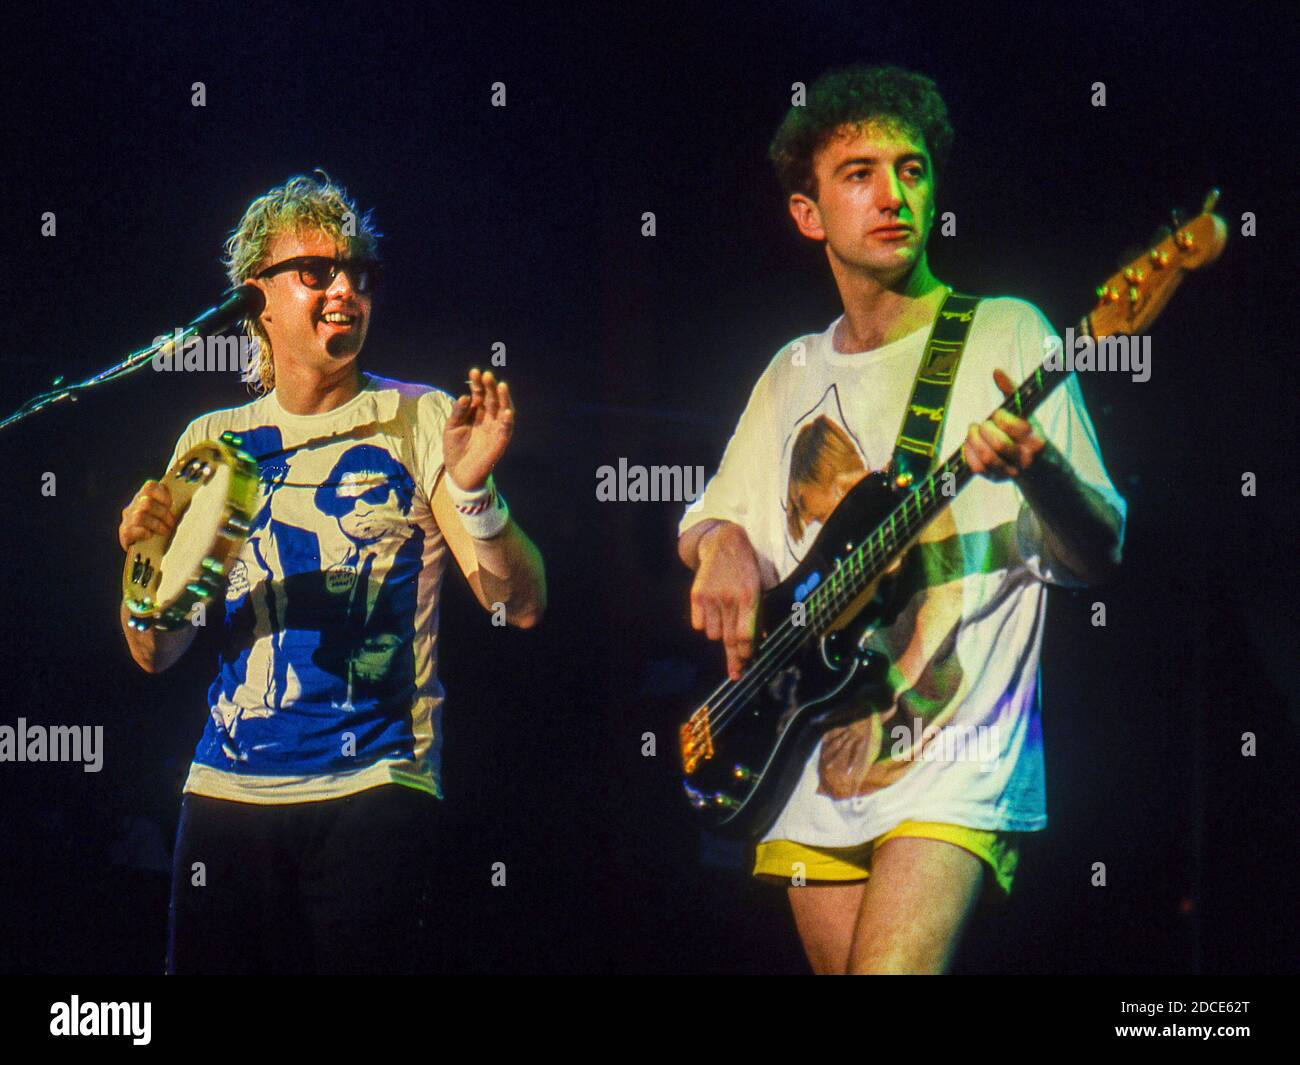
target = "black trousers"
x: 337, y: 886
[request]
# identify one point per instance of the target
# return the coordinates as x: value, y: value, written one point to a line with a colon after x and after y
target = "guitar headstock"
x: 1132, y: 297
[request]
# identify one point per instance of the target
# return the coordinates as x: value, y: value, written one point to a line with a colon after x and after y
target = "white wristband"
x: 483, y: 512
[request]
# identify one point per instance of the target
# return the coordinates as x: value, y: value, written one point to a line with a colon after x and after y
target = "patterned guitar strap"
x: 917, y: 448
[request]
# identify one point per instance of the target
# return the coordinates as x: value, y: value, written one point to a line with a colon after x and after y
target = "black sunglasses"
x: 318, y: 271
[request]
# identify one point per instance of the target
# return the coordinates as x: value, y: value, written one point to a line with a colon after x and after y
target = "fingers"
x: 1016, y: 428
x: 741, y: 649
x: 481, y: 388
x: 476, y: 386
x: 491, y: 403
x: 731, y: 619
x: 141, y: 528
x: 737, y: 639
x: 1002, y: 446
x: 159, y: 491
x: 1005, y: 445
x: 148, y: 514
x: 997, y: 448
x: 984, y: 442
x: 491, y: 395
x: 460, y: 411
x: 155, y: 501
x: 713, y: 621
x: 1013, y: 426
x: 506, y: 407
x: 729, y: 637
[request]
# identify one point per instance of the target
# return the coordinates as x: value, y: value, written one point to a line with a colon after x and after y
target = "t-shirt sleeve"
x: 192, y: 435
x: 737, y: 492
x: 1063, y: 419
x: 432, y: 411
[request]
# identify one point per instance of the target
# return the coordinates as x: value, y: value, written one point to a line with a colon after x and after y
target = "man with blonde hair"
x: 307, y: 823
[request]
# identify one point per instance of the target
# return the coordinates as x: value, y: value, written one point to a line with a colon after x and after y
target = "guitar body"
x: 760, y: 749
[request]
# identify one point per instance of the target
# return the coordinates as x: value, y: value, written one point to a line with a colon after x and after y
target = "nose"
x: 340, y: 287
x: 889, y: 190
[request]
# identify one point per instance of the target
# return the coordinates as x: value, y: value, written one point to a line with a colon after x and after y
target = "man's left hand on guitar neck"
x: 1078, y: 527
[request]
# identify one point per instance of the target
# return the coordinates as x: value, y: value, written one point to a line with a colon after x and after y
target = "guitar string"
x: 785, y: 640
x: 830, y: 603
x: 781, y: 643
x: 839, y: 597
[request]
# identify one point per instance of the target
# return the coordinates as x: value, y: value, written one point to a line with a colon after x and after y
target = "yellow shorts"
x: 777, y: 858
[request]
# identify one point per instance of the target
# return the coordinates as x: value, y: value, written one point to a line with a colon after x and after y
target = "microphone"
x: 246, y: 301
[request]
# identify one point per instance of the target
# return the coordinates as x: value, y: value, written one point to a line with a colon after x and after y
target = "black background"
x: 522, y: 225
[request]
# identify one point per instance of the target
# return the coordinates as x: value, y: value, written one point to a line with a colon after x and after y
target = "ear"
x: 807, y: 216
x: 265, y: 288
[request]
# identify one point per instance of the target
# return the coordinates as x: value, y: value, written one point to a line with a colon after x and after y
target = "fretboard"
x: 866, y: 561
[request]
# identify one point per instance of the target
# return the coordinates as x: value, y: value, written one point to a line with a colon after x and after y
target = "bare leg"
x: 825, y: 915
x: 915, y: 907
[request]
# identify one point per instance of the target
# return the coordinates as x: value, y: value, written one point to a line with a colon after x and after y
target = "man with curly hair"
x: 308, y: 826
x: 889, y: 839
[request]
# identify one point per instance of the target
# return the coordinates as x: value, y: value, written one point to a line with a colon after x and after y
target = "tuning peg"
x: 1211, y: 198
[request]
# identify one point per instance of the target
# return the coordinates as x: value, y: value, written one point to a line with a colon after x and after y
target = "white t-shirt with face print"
x: 961, y: 741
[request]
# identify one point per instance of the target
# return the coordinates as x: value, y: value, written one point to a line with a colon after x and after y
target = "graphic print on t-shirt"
x: 824, y: 461
x: 366, y: 492
x: 339, y: 627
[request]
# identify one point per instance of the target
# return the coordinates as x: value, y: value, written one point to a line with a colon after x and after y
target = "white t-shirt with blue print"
x: 327, y: 682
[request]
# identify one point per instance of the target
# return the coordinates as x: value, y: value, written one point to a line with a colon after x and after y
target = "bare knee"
x: 825, y: 915
x: 915, y: 907
x: 911, y: 958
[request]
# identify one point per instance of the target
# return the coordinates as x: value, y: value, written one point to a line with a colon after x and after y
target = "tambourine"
x: 213, y: 490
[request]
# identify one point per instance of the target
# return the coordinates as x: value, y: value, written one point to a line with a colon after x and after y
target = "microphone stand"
x: 42, y: 400
x: 201, y: 326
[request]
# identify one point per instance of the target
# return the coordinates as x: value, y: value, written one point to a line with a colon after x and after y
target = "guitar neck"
x: 868, y: 560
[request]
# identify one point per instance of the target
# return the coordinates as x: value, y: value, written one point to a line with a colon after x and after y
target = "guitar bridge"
x: 696, y: 740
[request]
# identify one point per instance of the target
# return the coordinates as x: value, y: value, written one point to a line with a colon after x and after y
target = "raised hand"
x: 478, y: 430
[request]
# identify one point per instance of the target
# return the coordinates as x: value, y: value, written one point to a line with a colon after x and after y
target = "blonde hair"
x: 302, y: 204
x: 821, y: 452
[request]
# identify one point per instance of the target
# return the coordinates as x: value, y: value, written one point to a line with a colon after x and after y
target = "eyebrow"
x: 908, y: 157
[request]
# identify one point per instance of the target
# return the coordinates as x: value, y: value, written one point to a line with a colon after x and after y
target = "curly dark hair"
x: 853, y: 96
